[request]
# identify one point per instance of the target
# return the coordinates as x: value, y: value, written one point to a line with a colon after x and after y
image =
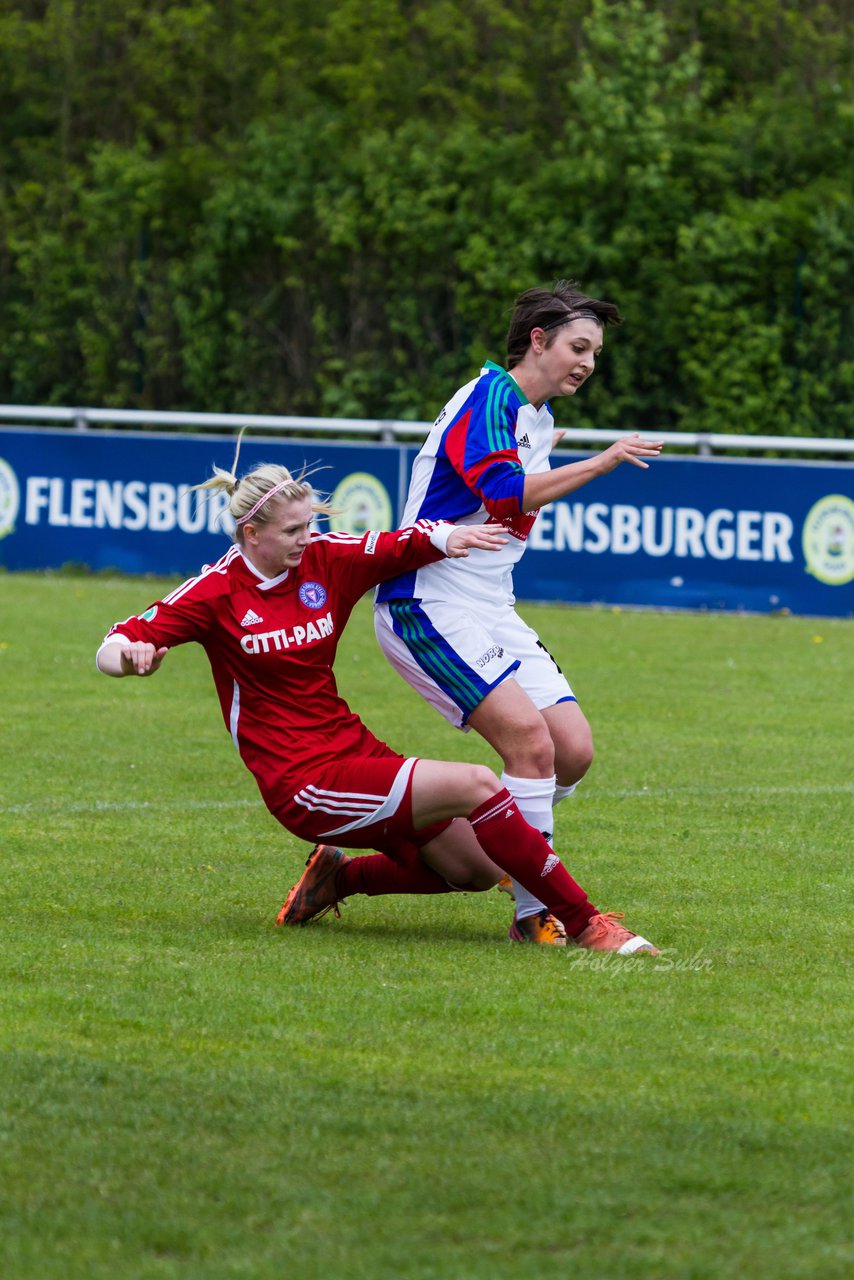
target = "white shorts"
x: 454, y: 657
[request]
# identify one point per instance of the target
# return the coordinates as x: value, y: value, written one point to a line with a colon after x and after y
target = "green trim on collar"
x: 492, y: 366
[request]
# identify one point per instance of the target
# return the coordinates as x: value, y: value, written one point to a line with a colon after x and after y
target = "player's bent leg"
x: 442, y: 789
x: 458, y: 857
x: 512, y: 843
x: 549, y: 690
x: 512, y: 725
x: 440, y: 651
x: 573, y: 742
x: 331, y: 877
x: 508, y: 719
x: 473, y: 791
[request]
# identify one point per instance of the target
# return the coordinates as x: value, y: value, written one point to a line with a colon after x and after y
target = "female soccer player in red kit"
x: 269, y: 615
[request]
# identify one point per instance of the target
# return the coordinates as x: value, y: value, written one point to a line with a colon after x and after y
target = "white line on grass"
x: 820, y: 789
x: 645, y: 793
x: 123, y: 806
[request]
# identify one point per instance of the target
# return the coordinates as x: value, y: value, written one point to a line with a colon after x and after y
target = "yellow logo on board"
x: 828, y: 540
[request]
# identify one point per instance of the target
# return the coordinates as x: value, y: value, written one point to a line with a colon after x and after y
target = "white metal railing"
x: 82, y: 419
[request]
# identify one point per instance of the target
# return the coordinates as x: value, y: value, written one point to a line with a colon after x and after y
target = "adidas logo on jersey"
x: 250, y: 619
x: 525, y: 443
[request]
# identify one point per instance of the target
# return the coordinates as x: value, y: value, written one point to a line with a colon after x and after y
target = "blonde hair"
x: 252, y: 496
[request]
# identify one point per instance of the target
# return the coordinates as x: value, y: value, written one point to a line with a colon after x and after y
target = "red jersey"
x: 271, y: 643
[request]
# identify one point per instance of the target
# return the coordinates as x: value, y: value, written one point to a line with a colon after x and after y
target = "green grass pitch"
x: 187, y: 1091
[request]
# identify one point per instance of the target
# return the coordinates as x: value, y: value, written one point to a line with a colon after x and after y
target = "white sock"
x: 561, y: 793
x: 534, y: 799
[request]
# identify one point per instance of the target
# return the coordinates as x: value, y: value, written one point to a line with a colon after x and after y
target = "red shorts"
x: 362, y: 803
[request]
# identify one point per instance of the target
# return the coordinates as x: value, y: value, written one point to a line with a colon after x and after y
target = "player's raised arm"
x: 547, y: 486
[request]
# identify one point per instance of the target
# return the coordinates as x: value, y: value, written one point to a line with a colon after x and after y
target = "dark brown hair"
x: 549, y: 309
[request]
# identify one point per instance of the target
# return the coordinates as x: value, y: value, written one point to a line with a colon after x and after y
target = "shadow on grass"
x: 453, y: 931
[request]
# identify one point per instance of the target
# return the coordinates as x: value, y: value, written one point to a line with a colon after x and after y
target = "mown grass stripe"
x: 168, y: 1057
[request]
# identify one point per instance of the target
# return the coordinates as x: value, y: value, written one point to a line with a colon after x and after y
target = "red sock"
x: 524, y: 854
x: 376, y: 874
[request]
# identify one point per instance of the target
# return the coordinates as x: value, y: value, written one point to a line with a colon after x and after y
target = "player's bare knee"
x: 575, y: 758
x: 482, y: 783
x: 573, y: 768
x: 532, y: 753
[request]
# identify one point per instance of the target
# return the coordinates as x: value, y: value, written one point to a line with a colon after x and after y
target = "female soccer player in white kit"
x: 451, y: 628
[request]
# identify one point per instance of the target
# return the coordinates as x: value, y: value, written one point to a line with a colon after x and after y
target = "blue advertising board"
x: 701, y: 533
x: 695, y: 533
x: 122, y: 500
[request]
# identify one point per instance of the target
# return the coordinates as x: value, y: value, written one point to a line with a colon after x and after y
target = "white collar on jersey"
x: 264, y: 583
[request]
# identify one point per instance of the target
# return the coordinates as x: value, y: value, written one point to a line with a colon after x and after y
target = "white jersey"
x: 472, y: 470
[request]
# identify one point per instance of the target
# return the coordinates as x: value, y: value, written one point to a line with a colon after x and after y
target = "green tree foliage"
x: 329, y: 207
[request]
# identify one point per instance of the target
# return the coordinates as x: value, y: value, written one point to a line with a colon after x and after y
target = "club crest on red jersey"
x: 313, y: 595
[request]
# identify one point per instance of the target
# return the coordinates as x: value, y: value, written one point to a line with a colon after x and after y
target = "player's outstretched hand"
x: 141, y: 659
x: 488, y: 537
x: 631, y: 449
